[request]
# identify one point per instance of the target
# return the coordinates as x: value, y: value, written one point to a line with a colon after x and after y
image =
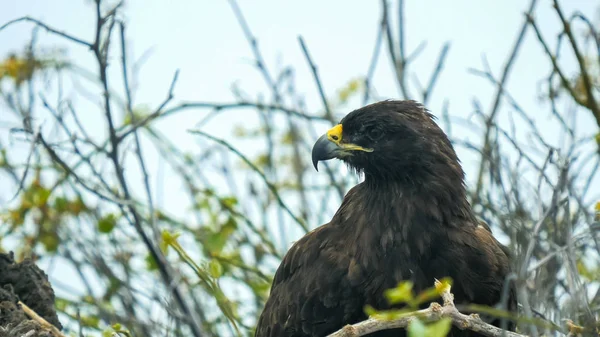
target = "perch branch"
x: 435, y: 312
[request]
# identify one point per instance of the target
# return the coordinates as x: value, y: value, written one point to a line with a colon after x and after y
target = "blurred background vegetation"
x: 78, y: 193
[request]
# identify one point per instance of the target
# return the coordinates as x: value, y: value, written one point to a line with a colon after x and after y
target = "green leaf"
x: 432, y: 293
x: 61, y: 304
x: 90, y: 321
x: 40, y: 198
x: 589, y: 274
x: 50, y: 241
x: 77, y: 206
x: 60, y: 204
x: 386, y: 315
x: 215, y: 268
x: 151, y: 263
x: 229, y: 202
x: 417, y: 329
x: 260, y: 287
x: 216, y: 241
x: 439, y: 328
x: 401, y: 294
x: 107, y: 223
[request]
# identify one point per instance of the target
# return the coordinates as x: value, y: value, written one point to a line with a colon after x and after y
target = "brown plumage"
x: 409, y: 220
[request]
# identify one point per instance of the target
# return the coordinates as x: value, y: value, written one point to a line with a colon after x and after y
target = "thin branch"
x: 315, y: 72
x: 590, y: 102
x: 498, y: 96
x: 436, y: 72
x: 48, y: 28
x: 399, y: 63
x: 138, y: 146
x: 374, y: 59
x: 563, y: 78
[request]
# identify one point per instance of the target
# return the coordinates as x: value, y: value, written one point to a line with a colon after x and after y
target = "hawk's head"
x: 390, y: 140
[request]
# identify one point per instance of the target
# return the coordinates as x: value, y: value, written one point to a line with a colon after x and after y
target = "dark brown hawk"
x: 409, y: 220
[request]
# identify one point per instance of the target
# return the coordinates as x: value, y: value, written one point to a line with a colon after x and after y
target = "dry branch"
x: 44, y: 323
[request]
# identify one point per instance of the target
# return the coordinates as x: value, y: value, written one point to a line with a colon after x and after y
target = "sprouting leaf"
x: 385, y: 315
x: 61, y: 304
x: 401, y: 294
x: 260, y: 287
x: 350, y: 89
x: 90, y: 321
x: 77, y: 206
x: 107, y: 223
x: 139, y: 113
x: 262, y: 160
x: 216, y: 241
x: 416, y: 328
x: 443, y: 284
x: 590, y: 274
x: 168, y: 239
x: 287, y: 138
x: 118, y: 328
x: 50, y: 241
x: 60, y: 204
x: 215, y: 268
x: 151, y: 263
x: 240, y: 131
x: 439, y: 328
x: 229, y: 202
x: 40, y: 196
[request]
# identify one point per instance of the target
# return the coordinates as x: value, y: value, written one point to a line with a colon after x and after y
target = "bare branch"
x: 48, y: 28
x: 315, y: 73
x: 497, y: 98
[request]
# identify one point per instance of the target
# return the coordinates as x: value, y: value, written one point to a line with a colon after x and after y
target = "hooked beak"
x: 330, y: 146
x: 324, y: 149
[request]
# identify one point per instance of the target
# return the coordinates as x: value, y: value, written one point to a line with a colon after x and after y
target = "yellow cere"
x: 335, y: 134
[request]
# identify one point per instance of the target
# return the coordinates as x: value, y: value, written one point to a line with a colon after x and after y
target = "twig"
x: 587, y: 82
x: 260, y: 62
x: 436, y: 72
x: 48, y: 28
x: 399, y: 63
x: 315, y: 72
x: 138, y: 146
x: 36, y: 136
x: 44, y: 323
x: 563, y: 78
x: 496, y: 104
x: 374, y: 59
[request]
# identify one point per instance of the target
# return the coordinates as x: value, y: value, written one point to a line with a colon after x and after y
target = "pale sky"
x: 204, y: 40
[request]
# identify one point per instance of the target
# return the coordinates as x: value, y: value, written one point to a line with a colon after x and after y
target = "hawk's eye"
x: 375, y: 133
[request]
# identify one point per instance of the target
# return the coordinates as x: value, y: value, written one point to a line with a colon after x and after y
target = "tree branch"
x: 435, y: 312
